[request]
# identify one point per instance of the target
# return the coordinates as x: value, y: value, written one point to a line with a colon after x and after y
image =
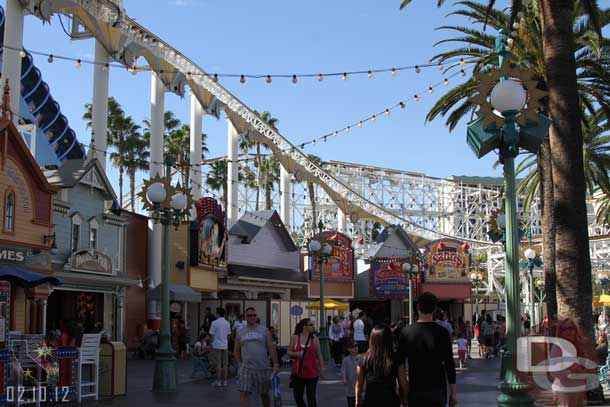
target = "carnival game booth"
x: 34, y: 367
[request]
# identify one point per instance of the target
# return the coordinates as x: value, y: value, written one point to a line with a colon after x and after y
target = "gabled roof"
x: 385, y: 234
x: 73, y: 171
x: 248, y: 226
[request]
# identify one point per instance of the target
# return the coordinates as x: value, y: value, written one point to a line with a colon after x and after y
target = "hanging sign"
x: 210, y: 238
x: 296, y: 311
x: 26, y: 257
x: 388, y: 278
x: 89, y: 260
x: 447, y: 260
x: 340, y: 265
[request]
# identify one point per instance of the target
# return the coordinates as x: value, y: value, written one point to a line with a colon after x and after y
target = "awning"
x: 25, y: 278
x: 329, y: 304
x: 177, y: 292
x: 601, y: 300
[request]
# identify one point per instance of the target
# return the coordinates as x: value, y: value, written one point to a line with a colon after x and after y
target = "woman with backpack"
x: 336, y: 334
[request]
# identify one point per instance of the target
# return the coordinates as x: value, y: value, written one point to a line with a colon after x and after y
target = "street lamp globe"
x: 600, y: 276
x: 314, y: 246
x: 508, y: 96
x: 327, y: 249
x: 414, y: 268
x: 406, y: 266
x: 178, y: 201
x: 501, y: 221
x: 473, y: 276
x: 530, y: 254
x: 156, y: 193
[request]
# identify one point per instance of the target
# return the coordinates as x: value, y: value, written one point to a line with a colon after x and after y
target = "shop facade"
x: 90, y: 258
x: 26, y: 234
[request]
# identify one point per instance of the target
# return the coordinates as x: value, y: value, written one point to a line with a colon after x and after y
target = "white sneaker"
x: 217, y: 383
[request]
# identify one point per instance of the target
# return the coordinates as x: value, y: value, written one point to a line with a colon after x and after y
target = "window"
x: 93, y: 233
x: 75, y: 238
x: 9, y: 212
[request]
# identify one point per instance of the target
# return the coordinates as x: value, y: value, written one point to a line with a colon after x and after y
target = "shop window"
x: 75, y: 237
x: 93, y: 234
x: 9, y: 212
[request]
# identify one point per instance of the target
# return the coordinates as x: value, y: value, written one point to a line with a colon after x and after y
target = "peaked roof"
x: 385, y: 234
x: 73, y: 171
x: 248, y: 226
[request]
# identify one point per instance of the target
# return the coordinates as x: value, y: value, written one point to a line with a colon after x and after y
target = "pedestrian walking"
x: 253, y: 348
x: 429, y: 353
x: 220, y: 331
x: 349, y: 373
x: 359, y: 335
x: 380, y: 371
x: 304, y: 347
x: 462, y: 344
x: 487, y: 333
x: 335, y: 334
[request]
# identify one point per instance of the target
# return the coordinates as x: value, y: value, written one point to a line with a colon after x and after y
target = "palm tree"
x: 115, y: 114
x: 217, y: 179
x: 136, y: 156
x: 270, y: 175
x: 120, y: 158
x: 271, y: 121
x: 312, y: 192
x: 528, y: 52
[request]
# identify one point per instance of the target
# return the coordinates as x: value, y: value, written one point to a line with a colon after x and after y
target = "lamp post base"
x: 165, y: 380
x: 513, y: 392
x: 324, y: 349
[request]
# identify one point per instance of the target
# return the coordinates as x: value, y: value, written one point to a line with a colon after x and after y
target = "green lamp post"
x: 477, y: 281
x: 532, y: 260
x: 602, y: 280
x: 508, y: 120
x: 320, y: 250
x: 411, y: 269
x: 168, y: 205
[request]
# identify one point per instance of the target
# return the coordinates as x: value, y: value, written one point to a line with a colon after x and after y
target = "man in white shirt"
x: 359, y: 336
x: 220, y: 331
x: 239, y: 324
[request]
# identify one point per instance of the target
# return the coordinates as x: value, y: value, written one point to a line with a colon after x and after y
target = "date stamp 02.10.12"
x: 25, y: 394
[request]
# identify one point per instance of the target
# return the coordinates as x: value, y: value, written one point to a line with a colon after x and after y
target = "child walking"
x: 349, y: 374
x: 462, y: 344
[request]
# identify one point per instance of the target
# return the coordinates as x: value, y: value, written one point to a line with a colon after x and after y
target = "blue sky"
x: 285, y: 37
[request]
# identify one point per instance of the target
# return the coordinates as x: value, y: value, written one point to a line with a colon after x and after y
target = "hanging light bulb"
x: 347, y: 129
x: 402, y: 105
x: 516, y: 25
x: 78, y: 63
x: 520, y: 15
x: 344, y: 76
x: 105, y: 67
x: 387, y: 112
x: 416, y: 97
x: 463, y: 72
x: 215, y: 77
x: 430, y: 89
x: 462, y: 62
x: 446, y: 82
x: 313, y: 141
x: 242, y: 79
x: 369, y: 74
x: 393, y: 71
x: 510, y: 41
x: 22, y: 53
x: 417, y: 69
x: 373, y: 118
x: 514, y: 34
x: 335, y: 133
x: 320, y: 77
x: 268, y: 79
x: 294, y: 79
x: 50, y: 59
x: 360, y: 123
x: 132, y: 70
x: 441, y: 67
x: 324, y: 138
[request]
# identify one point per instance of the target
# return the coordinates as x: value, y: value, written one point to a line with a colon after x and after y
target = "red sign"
x: 340, y: 265
x: 388, y: 278
x: 447, y: 260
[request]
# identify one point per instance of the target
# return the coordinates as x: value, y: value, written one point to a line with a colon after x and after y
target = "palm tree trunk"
x: 573, y: 265
x: 225, y: 196
x: 312, y: 200
x: 268, y: 189
x: 545, y: 176
x: 132, y: 186
x: 121, y: 171
x: 258, y: 174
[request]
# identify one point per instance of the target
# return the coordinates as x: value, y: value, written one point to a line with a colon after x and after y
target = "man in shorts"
x: 220, y: 331
x: 253, y: 347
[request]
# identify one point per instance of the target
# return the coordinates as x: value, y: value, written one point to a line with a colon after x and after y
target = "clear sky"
x: 285, y: 37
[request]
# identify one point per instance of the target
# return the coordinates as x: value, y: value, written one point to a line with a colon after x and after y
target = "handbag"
x: 296, y: 376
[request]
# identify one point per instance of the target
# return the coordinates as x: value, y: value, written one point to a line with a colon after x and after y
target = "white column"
x: 99, y: 105
x: 341, y: 221
x: 156, y: 167
x: 196, y: 130
x: 11, y: 60
x: 232, y: 177
x: 285, y: 196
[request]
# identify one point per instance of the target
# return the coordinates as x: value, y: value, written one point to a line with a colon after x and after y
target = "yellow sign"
x: 447, y: 260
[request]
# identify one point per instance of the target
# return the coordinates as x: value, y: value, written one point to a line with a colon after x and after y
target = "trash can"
x: 113, y: 369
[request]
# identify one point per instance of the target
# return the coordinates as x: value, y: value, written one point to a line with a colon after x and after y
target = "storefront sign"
x: 447, y: 260
x: 90, y: 260
x: 21, y: 256
x: 212, y: 234
x: 296, y: 311
x: 388, y: 278
x: 340, y: 265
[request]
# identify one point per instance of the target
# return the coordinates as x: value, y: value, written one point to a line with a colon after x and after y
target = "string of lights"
x: 294, y: 77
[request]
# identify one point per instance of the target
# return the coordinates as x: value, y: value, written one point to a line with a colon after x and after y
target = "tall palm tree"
x: 270, y: 175
x: 528, y: 52
x: 271, y: 121
x: 136, y: 157
x: 312, y: 192
x: 115, y: 114
x: 120, y: 157
x: 217, y: 180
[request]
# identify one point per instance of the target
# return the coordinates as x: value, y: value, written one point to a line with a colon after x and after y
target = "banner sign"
x: 340, y: 265
x: 211, y: 237
x: 89, y: 260
x: 26, y: 257
x: 388, y: 278
x: 447, y: 260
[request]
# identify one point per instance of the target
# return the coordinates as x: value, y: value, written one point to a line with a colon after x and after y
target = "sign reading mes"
x: 24, y: 257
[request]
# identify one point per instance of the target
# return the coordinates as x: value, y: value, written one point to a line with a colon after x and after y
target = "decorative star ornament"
x: 528, y: 115
x: 169, y: 191
x: 28, y: 373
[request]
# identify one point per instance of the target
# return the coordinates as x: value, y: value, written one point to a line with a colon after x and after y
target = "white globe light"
x: 530, y: 254
x: 508, y: 95
x: 600, y: 276
x: 156, y: 193
x: 501, y: 221
x: 178, y: 202
x: 327, y: 248
x: 314, y: 246
x: 406, y: 266
x: 473, y: 276
x: 414, y: 268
